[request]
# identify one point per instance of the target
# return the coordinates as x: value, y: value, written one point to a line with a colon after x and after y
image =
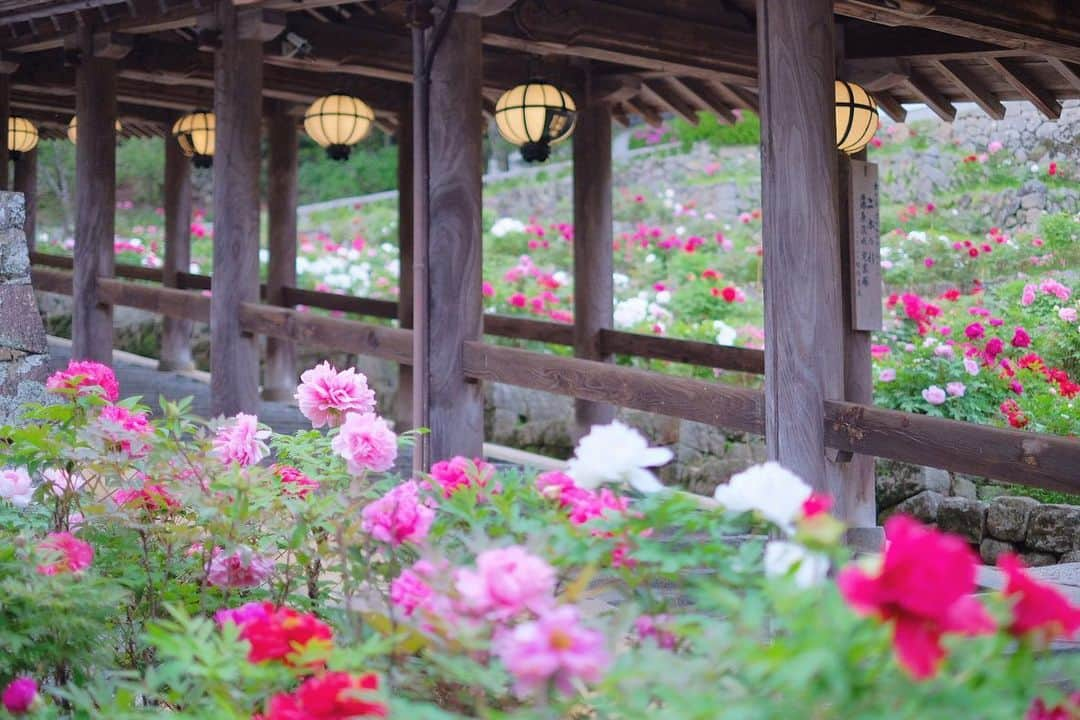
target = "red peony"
x: 1038, y: 609
x: 923, y: 588
x: 333, y: 696
x: 1068, y: 710
x: 277, y: 633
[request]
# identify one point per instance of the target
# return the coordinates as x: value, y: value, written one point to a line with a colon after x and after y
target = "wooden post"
x: 176, y: 332
x: 454, y: 312
x: 594, y: 292
x: 234, y: 354
x: 95, y: 201
x: 5, y: 113
x: 279, y: 372
x: 403, y: 410
x: 804, y: 338
x: 26, y: 183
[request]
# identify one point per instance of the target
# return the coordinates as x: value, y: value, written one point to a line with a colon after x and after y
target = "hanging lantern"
x: 535, y: 116
x: 72, y: 130
x: 337, y: 122
x: 22, y: 136
x: 195, y: 134
x: 856, y: 117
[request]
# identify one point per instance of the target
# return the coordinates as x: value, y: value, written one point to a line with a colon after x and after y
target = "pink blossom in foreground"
x: 934, y: 395
x: 84, y: 376
x: 325, y: 395
x: 20, y: 695
x: 65, y: 553
x: 411, y: 590
x: 887, y: 375
x: 1068, y: 710
x: 1068, y: 314
x: 654, y: 627
x: 60, y: 482
x: 367, y: 443
x: 242, y: 568
x: 295, y: 483
x: 556, y: 648
x: 150, y: 497
x: 399, y: 516
x: 241, y: 441
x: 461, y: 472
x: 16, y: 486
x: 506, y: 582
x: 1020, y: 338
x: 124, y: 430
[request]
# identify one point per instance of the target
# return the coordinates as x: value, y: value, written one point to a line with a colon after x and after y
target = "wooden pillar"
x: 804, y: 336
x: 454, y: 309
x: 594, y: 290
x: 279, y: 370
x: 175, y: 351
x: 26, y: 183
x: 234, y: 354
x: 5, y: 113
x: 403, y: 410
x: 95, y: 201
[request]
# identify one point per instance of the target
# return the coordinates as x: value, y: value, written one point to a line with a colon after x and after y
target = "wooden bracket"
x: 111, y: 46
x: 614, y: 88
x: 252, y: 24
x: 483, y: 8
x: 876, y: 74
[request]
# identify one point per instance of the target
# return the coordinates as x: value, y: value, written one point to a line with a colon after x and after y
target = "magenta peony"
x: 83, y: 376
x: 20, y: 695
x: 399, y: 516
x: 65, y: 554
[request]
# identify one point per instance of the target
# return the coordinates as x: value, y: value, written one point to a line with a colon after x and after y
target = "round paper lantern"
x: 856, y: 117
x: 72, y: 130
x: 535, y: 116
x: 22, y: 136
x: 337, y: 122
x: 195, y: 134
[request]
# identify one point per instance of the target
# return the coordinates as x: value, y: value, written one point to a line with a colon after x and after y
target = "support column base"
x: 175, y: 365
x: 278, y: 394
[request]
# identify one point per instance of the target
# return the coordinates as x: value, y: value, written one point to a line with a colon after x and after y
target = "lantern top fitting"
x: 73, y: 128
x: 337, y: 122
x: 856, y: 117
x: 195, y: 134
x: 22, y: 136
x: 535, y: 116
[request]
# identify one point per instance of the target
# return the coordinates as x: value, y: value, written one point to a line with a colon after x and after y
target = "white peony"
x: 725, y: 334
x: 782, y: 557
x: 777, y: 494
x: 505, y: 226
x: 16, y: 487
x: 616, y: 453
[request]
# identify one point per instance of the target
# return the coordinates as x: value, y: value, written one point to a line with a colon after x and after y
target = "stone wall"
x: 23, y: 352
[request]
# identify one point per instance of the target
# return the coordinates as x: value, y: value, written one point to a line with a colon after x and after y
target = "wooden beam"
x: 973, y: 87
x: 1069, y: 71
x: 403, y: 403
x: 1027, y: 86
x: 660, y: 94
x: 921, y: 87
x: 5, y: 115
x: 706, y: 96
x: 234, y: 354
x: 801, y: 235
x: 176, y: 332
x: 26, y: 170
x: 95, y: 201
x: 645, y: 110
x: 741, y: 97
x: 890, y: 105
x: 280, y: 374
x: 690, y: 352
x: 594, y: 289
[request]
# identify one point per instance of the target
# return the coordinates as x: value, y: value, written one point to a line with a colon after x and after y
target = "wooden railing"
x: 1039, y: 460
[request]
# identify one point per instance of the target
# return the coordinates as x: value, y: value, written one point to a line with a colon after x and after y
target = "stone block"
x: 923, y: 507
x: 14, y: 257
x: 1038, y: 559
x: 12, y: 210
x: 1007, y: 517
x: 1073, y: 556
x: 897, y: 482
x: 990, y: 550
x: 964, y: 517
x: 963, y: 486
x: 1054, y: 528
x: 20, y: 324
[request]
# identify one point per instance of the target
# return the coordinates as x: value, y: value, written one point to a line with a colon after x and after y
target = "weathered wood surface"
x: 181, y: 304
x: 712, y: 403
x: 529, y: 329
x: 95, y: 201
x: 54, y: 281
x: 175, y: 332
x: 454, y: 305
x: 279, y: 363
x: 594, y: 288
x: 691, y: 352
x: 403, y: 408
x: 343, y: 303
x: 801, y: 235
x: 5, y: 114
x: 238, y: 71
x: 26, y: 180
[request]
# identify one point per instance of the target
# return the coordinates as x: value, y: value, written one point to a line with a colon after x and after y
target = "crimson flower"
x: 1038, y: 609
x: 333, y: 696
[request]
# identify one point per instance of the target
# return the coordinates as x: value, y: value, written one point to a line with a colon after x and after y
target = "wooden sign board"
x: 865, y: 250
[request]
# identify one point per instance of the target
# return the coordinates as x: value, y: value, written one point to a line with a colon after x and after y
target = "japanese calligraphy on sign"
x: 865, y: 255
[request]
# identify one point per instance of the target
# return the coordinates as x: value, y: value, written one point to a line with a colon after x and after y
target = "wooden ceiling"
x: 678, y: 56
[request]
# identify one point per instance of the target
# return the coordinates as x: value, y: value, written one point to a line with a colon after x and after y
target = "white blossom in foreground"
x: 777, y: 494
x: 781, y: 557
x: 616, y: 453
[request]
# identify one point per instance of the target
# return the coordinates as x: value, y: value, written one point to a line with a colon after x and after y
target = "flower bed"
x: 164, y: 567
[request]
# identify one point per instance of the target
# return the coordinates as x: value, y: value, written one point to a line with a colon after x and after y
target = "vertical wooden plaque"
x: 865, y: 239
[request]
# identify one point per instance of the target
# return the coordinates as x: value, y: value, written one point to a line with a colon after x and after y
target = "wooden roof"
x: 679, y: 56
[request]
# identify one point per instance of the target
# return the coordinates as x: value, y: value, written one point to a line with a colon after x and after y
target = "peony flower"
x: 410, y: 590
x: 241, y: 441
x: 555, y: 648
x: 242, y: 568
x: 330, y: 696
x: 1068, y: 710
x: 16, y: 487
x: 151, y: 498
x: 60, y: 482
x: 85, y: 377
x: 653, y: 626
x: 325, y: 395
x: 971, y: 366
x: 125, y: 431
x: 1021, y: 339
x: 1028, y: 296
x: 276, y: 633
x: 295, y: 483
x: 1068, y: 314
x: 367, y: 443
x: 67, y: 553
x: 934, y: 395
x: 923, y: 588
x: 887, y: 375
x: 399, y: 516
x: 507, y: 581
x: 770, y: 490
x: 955, y: 389
x: 616, y: 453
x: 783, y: 559
x: 994, y: 147
x: 1038, y: 609
x: 20, y: 695
x: 461, y: 472
x: 974, y: 331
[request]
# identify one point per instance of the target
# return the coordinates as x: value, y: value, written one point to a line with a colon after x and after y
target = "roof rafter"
x: 1027, y: 86
x: 973, y: 86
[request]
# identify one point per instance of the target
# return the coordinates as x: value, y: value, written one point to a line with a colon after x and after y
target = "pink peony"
x: 955, y: 389
x: 20, y: 695
x: 295, y: 483
x: 326, y: 396
x: 1069, y: 314
x: 1021, y: 339
x: 16, y: 487
x: 887, y: 375
x: 506, y: 582
x: 67, y: 554
x: 1038, y: 608
x: 461, y: 472
x: 555, y: 648
x: 971, y: 366
x: 241, y: 441
x: 61, y: 482
x: 367, y: 443
x: 242, y: 568
x: 653, y: 626
x: 411, y: 590
x: 151, y: 498
x: 934, y: 395
x: 83, y: 376
x: 1028, y: 296
x: 125, y: 431
x: 399, y: 516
